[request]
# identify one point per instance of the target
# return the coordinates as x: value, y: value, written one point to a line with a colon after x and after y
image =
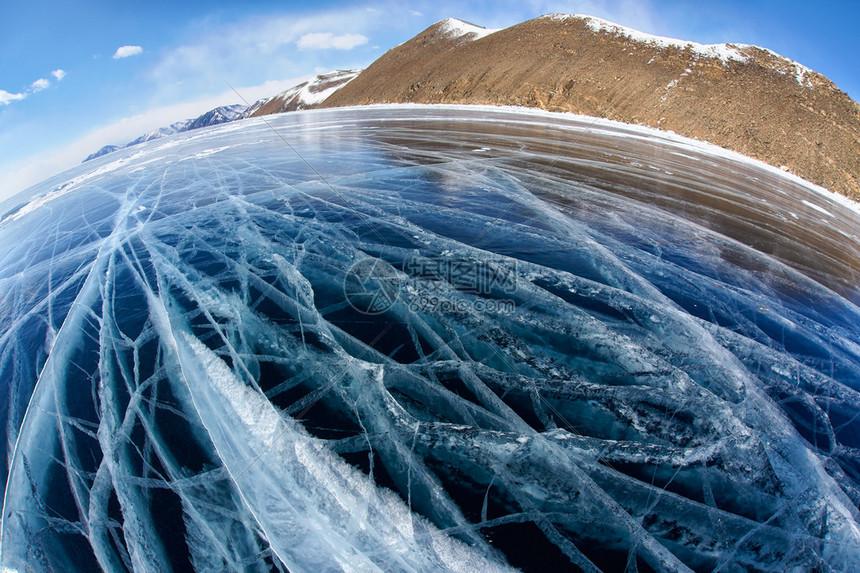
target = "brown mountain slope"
x: 740, y: 97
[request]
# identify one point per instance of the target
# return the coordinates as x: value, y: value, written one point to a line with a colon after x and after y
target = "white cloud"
x: 58, y: 74
x: 259, y: 47
x: 127, y: 51
x: 415, y: 13
x: 19, y: 175
x: 42, y: 83
x: 39, y: 85
x: 327, y: 40
x: 7, y: 98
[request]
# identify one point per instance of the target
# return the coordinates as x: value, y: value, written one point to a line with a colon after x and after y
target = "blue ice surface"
x: 671, y: 383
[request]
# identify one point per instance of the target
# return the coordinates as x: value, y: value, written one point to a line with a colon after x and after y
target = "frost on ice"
x: 185, y: 383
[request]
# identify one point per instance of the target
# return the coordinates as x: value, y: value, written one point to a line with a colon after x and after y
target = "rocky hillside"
x: 741, y: 97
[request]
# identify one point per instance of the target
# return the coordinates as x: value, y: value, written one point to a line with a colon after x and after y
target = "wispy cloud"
x: 127, y: 51
x: 327, y: 41
x: 39, y: 85
x: 7, y: 98
x: 258, y: 47
x: 20, y: 174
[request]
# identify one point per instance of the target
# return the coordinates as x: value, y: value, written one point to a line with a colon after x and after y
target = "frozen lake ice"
x: 405, y: 338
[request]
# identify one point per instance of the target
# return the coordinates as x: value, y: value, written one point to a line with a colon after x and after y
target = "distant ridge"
x: 306, y: 95
x: 215, y: 116
x: 745, y: 98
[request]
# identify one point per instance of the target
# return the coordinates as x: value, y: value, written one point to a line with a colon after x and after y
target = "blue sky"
x: 65, y: 90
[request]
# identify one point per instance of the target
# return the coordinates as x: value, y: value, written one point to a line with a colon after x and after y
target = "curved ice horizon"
x: 429, y: 338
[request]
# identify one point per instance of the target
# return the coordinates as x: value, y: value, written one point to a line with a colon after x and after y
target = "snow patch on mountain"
x: 454, y: 28
x: 305, y: 95
x: 724, y: 52
x: 787, y: 66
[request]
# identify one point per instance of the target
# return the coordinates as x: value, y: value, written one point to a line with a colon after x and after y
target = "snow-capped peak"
x: 316, y: 91
x: 454, y: 28
x: 304, y: 95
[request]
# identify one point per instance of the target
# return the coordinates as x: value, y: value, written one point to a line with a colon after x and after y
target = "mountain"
x: 738, y: 96
x: 216, y: 116
x: 307, y: 95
